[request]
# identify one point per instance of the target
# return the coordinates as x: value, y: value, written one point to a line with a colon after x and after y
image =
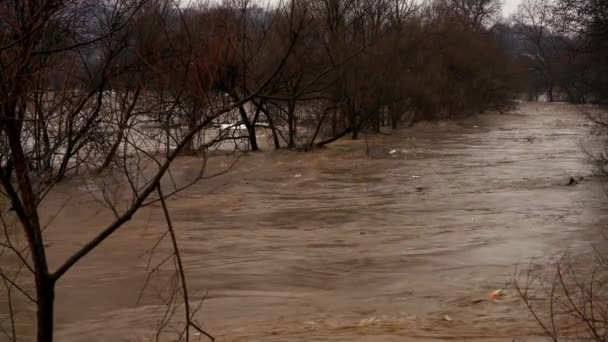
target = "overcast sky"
x: 509, y: 7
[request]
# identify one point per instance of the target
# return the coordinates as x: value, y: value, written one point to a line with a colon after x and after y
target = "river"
x: 401, y: 240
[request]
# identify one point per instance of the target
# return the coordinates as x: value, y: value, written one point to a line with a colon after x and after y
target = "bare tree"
x: 533, y: 19
x: 570, y: 303
x: 478, y: 13
x: 118, y: 104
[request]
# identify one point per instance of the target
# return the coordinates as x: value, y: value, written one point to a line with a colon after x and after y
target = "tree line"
x: 562, y: 45
x: 346, y: 66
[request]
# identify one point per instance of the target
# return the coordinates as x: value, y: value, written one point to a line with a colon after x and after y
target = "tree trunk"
x: 395, y: 114
x: 291, y: 122
x: 192, y: 120
x: 123, y: 123
x: 318, y: 128
x: 193, y: 117
x: 275, y: 134
x: 112, y: 151
x: 376, y: 122
x: 356, y: 126
x: 550, y: 92
x: 189, y: 149
x: 25, y: 206
x: 45, y: 293
x: 253, y: 141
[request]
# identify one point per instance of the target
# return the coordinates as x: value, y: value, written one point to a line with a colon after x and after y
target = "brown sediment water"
x: 341, y: 244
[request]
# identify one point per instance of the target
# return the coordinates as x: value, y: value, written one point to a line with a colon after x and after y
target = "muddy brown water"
x: 343, y: 245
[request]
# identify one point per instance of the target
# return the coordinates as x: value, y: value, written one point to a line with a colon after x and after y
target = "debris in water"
x: 393, y: 151
x: 447, y: 318
x: 297, y: 175
x: 572, y: 181
x: 369, y: 321
x: 497, y: 294
x: 475, y: 126
x: 310, y: 325
x: 416, y: 177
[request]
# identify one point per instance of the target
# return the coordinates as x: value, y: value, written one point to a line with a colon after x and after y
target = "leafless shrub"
x: 573, y: 302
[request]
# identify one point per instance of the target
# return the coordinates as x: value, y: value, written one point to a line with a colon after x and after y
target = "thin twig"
x: 180, y: 269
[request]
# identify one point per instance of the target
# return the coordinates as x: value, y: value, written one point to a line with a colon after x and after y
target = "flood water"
x: 344, y: 244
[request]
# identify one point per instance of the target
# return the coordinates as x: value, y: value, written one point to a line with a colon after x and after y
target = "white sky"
x: 509, y: 7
